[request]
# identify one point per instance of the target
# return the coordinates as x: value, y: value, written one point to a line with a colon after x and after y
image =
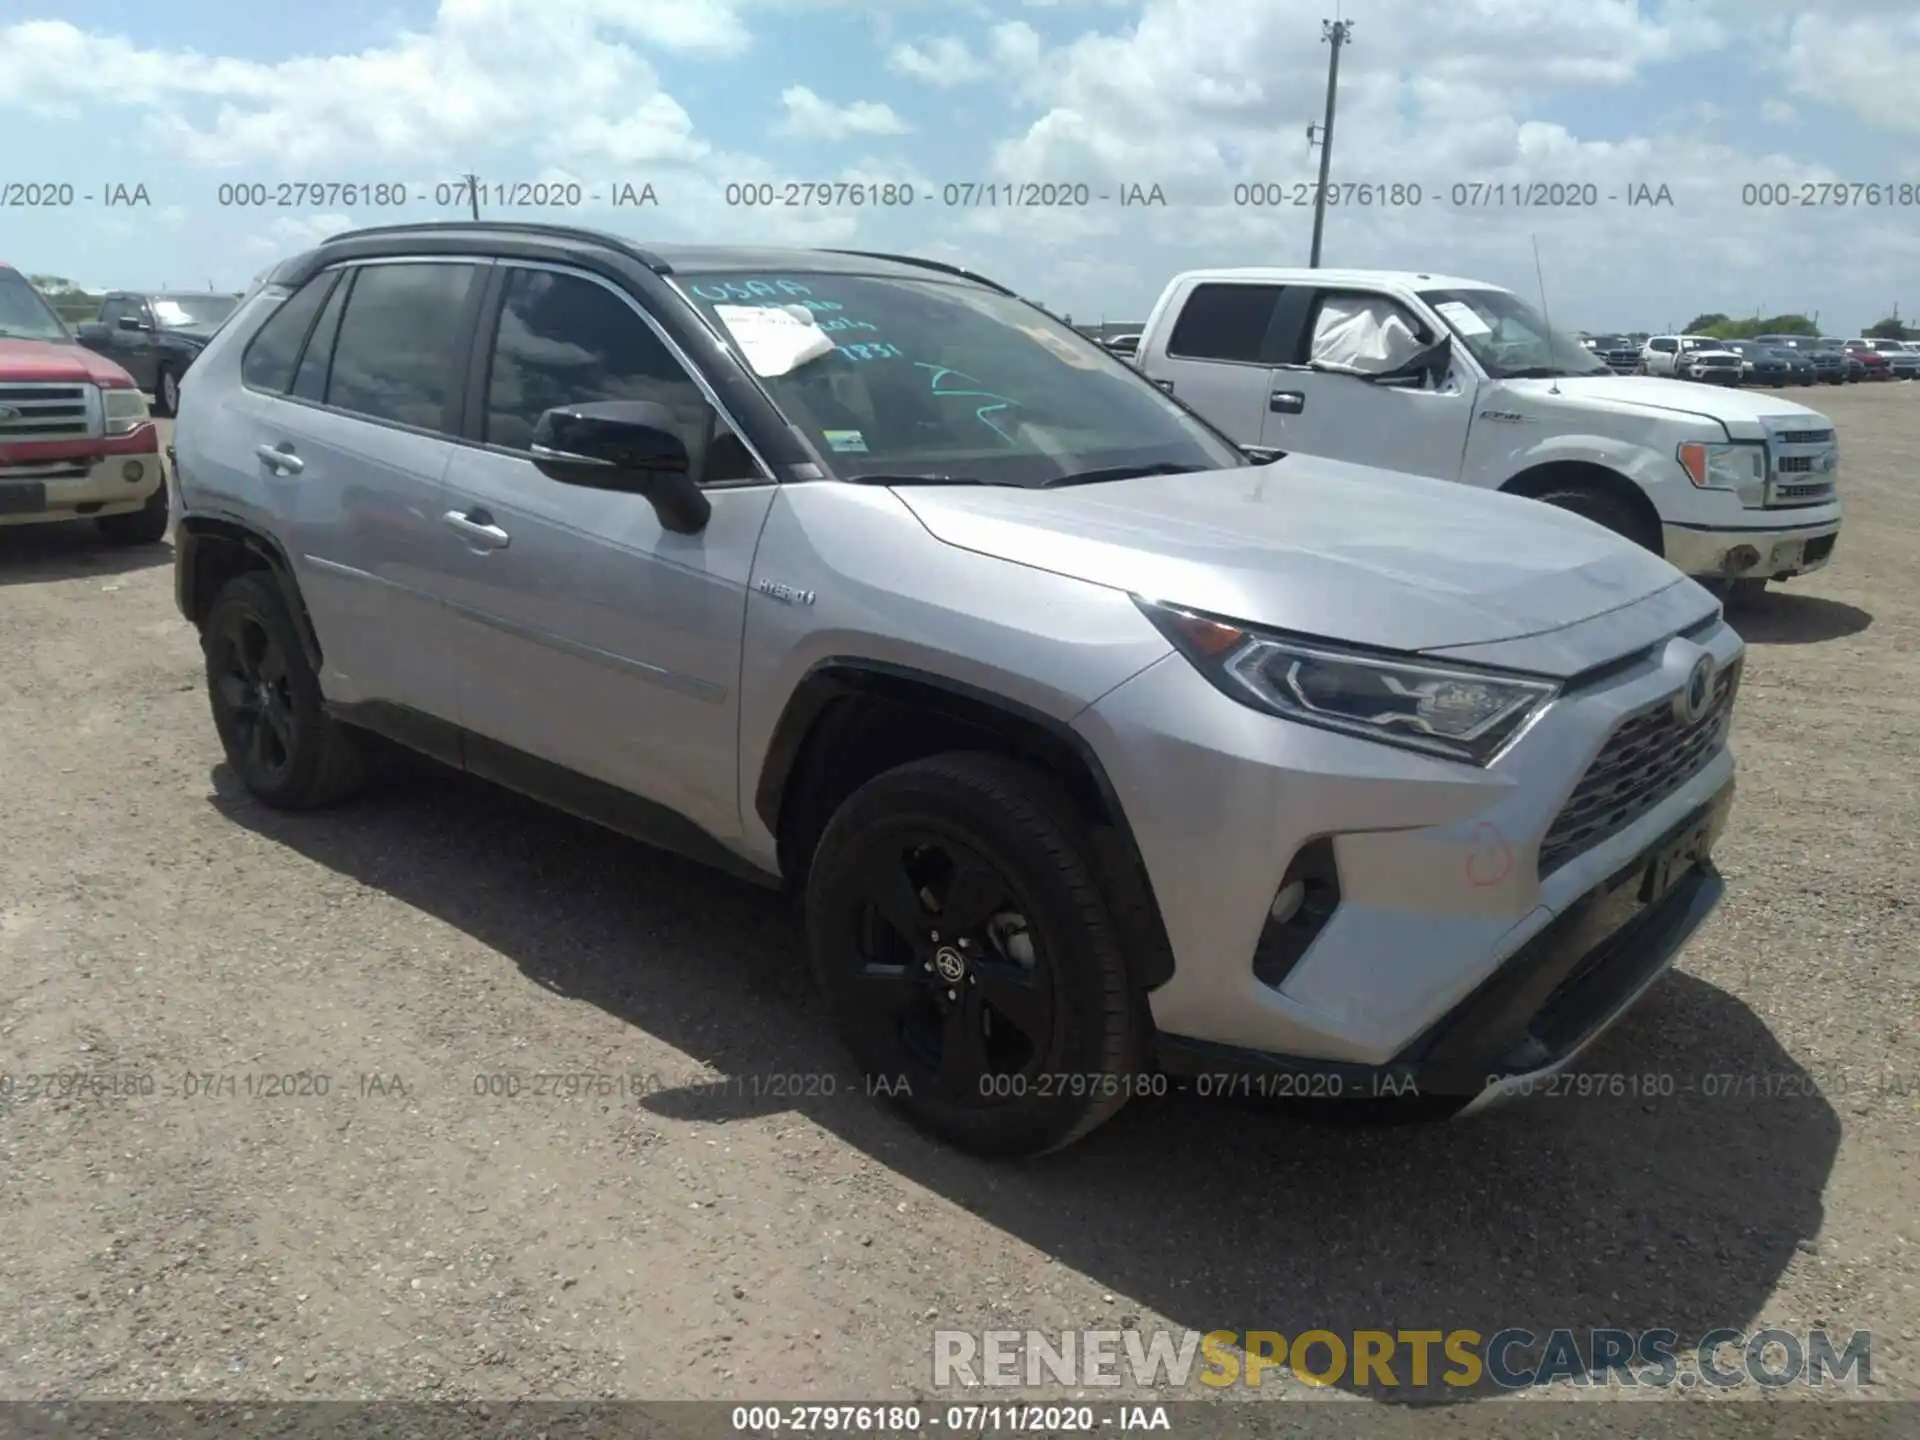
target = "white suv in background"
x: 1691, y: 357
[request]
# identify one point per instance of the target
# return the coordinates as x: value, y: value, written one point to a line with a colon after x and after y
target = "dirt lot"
x: 408, y: 1234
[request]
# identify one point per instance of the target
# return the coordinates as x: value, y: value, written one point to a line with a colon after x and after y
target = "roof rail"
x: 516, y: 227
x: 925, y: 264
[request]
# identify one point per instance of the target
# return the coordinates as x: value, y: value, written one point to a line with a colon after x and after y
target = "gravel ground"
x: 407, y: 1234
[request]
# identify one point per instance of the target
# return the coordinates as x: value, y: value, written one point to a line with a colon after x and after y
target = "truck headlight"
x: 1723, y: 467
x: 126, y: 411
x: 1455, y: 711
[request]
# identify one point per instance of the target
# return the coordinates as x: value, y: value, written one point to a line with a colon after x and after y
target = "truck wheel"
x: 166, y: 393
x: 969, y: 956
x: 1602, y: 509
x: 267, y: 708
x: 145, y: 526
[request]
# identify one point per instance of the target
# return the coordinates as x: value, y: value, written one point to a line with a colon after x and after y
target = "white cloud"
x: 942, y: 61
x: 1778, y: 112
x: 811, y: 118
x: 482, y: 75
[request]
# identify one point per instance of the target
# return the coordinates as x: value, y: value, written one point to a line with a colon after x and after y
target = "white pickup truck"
x: 1464, y: 381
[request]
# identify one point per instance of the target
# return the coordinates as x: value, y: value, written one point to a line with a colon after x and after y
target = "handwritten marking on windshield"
x: 941, y: 372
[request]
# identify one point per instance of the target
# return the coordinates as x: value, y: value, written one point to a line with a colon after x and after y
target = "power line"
x: 1337, y: 33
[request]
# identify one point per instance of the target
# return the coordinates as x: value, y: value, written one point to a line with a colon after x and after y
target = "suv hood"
x: 1650, y: 392
x: 1318, y: 547
x: 26, y: 361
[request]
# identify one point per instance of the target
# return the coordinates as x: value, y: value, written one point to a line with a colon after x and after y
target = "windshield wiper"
x: 1121, y: 472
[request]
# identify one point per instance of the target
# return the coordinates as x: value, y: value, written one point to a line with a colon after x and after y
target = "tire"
x: 266, y: 702
x: 145, y: 526
x: 986, y: 837
x: 166, y: 393
x: 1603, y: 509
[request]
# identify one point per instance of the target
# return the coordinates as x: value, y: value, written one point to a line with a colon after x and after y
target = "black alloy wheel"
x: 967, y: 950
x: 950, y: 973
x: 252, y: 698
x: 267, y: 705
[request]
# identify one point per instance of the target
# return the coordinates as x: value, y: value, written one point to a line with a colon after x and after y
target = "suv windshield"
x: 191, y: 312
x: 912, y: 379
x: 24, y: 315
x: 1509, y: 338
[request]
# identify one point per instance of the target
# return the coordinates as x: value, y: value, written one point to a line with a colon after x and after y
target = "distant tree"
x: 1890, y: 328
x: 1704, y: 324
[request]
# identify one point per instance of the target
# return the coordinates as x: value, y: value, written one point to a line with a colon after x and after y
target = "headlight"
x: 1723, y: 467
x: 1448, y: 710
x: 126, y: 411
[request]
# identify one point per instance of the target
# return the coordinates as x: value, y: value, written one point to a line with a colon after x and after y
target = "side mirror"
x: 624, y: 445
x: 1424, y: 366
x: 133, y: 322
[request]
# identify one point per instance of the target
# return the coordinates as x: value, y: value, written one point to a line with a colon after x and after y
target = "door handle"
x: 476, y: 527
x: 280, y: 458
x: 1286, y: 402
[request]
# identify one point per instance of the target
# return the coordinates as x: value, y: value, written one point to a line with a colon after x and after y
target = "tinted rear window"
x: 1225, y: 322
x: 271, y: 357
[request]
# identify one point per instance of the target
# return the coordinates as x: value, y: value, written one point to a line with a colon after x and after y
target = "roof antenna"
x: 1553, y: 383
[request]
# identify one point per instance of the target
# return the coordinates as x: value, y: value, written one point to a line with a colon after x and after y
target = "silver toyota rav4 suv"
x: 1102, y: 753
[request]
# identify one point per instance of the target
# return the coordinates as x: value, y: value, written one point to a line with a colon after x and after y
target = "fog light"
x: 1309, y: 893
x: 133, y: 472
x: 1741, y: 559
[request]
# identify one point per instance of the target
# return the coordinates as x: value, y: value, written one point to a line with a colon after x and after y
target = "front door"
x: 589, y: 635
x: 1418, y: 427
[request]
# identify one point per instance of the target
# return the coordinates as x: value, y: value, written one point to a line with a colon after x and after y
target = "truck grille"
x: 1651, y: 755
x: 1795, y: 465
x: 1806, y: 437
x: 1807, y: 493
x: 44, y: 412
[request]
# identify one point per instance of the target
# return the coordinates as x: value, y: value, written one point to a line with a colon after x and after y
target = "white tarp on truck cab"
x: 1365, y: 334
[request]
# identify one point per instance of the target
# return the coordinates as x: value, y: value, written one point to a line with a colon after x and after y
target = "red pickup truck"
x: 77, y: 440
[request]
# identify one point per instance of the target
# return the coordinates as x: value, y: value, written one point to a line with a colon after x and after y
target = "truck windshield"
x: 24, y: 315
x: 1509, y: 338
x: 903, y: 378
x: 191, y: 312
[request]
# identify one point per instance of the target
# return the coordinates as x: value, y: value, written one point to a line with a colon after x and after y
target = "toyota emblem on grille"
x: 1692, y: 701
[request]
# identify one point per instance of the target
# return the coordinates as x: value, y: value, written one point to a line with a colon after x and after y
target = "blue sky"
x: 1703, y: 97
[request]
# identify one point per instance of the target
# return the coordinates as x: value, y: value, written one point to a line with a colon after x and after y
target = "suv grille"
x: 45, y: 412
x: 1651, y: 755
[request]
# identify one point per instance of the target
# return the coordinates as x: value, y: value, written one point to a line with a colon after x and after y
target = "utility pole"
x: 1337, y: 33
x: 473, y: 192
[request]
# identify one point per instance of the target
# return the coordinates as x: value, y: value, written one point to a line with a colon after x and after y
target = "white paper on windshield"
x: 1363, y: 334
x: 774, y: 338
x: 1462, y: 318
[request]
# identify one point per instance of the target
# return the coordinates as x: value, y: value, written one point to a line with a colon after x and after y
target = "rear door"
x: 132, y: 349
x: 588, y: 635
x: 355, y: 435
x: 1218, y: 352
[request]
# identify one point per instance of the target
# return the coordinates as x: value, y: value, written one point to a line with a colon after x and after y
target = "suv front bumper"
x: 45, y: 491
x: 1449, y: 960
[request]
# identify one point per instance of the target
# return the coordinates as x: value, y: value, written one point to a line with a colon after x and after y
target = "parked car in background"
x: 1617, y: 352
x: 1860, y: 365
x: 76, y: 438
x: 1902, y: 363
x: 1091, y: 747
x: 1829, y: 363
x: 1691, y: 357
x: 1465, y: 381
x: 1761, y: 364
x: 156, y: 335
